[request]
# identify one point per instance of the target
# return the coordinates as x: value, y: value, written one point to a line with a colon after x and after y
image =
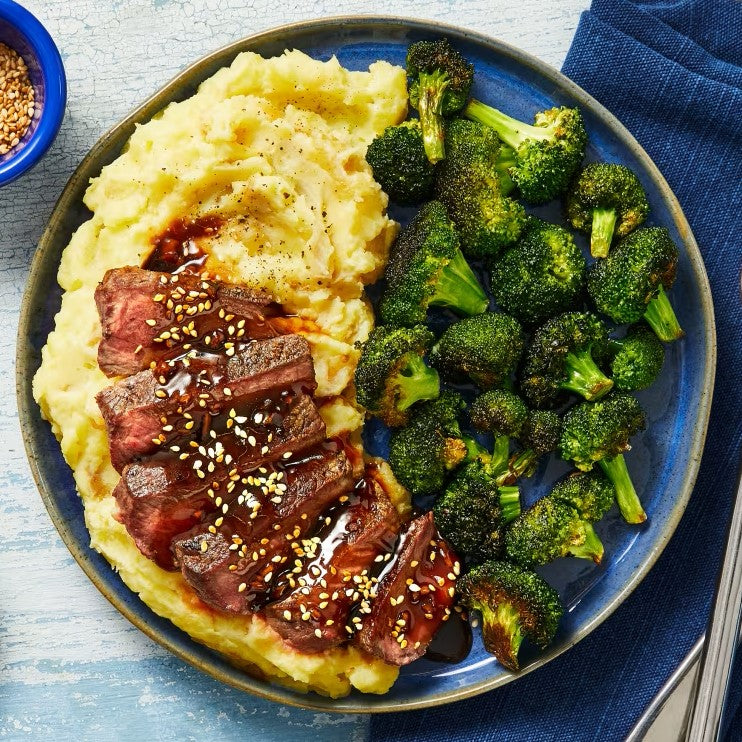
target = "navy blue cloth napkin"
x: 671, y: 71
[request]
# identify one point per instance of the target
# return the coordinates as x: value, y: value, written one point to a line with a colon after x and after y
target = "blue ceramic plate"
x: 664, y: 460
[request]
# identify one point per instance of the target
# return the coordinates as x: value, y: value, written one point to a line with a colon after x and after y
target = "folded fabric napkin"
x: 671, y: 71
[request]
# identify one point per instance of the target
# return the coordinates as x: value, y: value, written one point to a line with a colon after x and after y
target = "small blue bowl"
x: 22, y: 31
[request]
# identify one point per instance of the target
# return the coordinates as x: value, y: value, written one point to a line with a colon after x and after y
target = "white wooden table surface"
x: 71, y: 667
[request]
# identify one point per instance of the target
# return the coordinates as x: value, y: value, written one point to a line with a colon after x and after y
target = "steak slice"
x: 413, y: 597
x: 232, y: 562
x: 148, y: 411
x: 146, y: 315
x: 337, y: 574
x: 166, y: 496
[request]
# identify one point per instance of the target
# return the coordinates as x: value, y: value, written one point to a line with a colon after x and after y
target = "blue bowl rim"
x: 28, y: 407
x: 55, y: 89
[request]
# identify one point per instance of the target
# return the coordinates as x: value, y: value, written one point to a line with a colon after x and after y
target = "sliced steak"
x: 163, y: 497
x: 232, y: 562
x: 148, y: 411
x: 146, y: 315
x: 338, y: 571
x: 413, y: 597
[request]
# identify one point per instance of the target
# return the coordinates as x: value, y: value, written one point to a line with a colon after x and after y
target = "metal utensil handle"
x: 721, y: 637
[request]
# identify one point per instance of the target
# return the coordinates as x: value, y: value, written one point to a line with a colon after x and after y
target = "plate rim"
x: 163, y: 96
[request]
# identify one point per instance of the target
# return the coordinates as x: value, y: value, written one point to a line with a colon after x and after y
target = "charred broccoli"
x: 547, y: 153
x: 605, y: 199
x: 630, y: 283
x: 470, y: 183
x: 472, y: 512
x: 559, y: 358
x: 540, y: 435
x: 599, y: 432
x: 439, y: 83
x: 391, y: 374
x: 637, y: 359
x: 426, y: 268
x: 560, y: 524
x: 486, y: 348
x: 540, y: 276
x: 423, y: 452
x: 514, y: 603
x: 400, y: 165
x: 503, y: 414
x: 591, y: 493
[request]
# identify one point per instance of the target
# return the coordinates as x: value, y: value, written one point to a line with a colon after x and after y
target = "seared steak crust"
x: 421, y: 583
x: 146, y: 314
x: 161, y: 498
x: 231, y: 562
x: 138, y: 409
x: 337, y: 573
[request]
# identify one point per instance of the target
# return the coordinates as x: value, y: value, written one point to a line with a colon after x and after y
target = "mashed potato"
x: 276, y: 148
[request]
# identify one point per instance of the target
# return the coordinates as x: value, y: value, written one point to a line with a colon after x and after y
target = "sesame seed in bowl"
x: 33, y: 91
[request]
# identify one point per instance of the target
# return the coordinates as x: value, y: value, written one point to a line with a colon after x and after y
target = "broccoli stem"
x: 416, y: 382
x: 584, y: 377
x: 509, y: 504
x: 501, y: 633
x: 601, y: 235
x: 661, y: 318
x: 590, y: 548
x: 474, y: 449
x: 432, y: 86
x: 499, y: 460
x: 510, y: 130
x: 458, y: 289
x: 505, y: 160
x: 626, y: 497
x: 523, y: 463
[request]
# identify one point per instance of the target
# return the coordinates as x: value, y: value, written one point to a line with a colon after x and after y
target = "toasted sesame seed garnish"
x: 287, y: 615
x: 242, y: 587
x: 151, y: 322
x: 204, y: 546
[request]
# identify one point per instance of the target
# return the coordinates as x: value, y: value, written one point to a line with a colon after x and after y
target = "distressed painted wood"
x: 70, y: 665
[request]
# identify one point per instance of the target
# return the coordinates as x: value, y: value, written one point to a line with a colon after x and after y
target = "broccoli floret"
x: 630, y: 283
x: 637, y: 359
x: 423, y: 452
x: 503, y: 414
x: 400, y: 165
x: 470, y: 182
x: 540, y: 276
x: 540, y: 435
x: 514, y: 603
x: 472, y: 512
x: 590, y: 493
x: 605, y: 199
x: 547, y: 153
x: 548, y: 530
x: 560, y: 524
x: 485, y: 348
x: 560, y: 358
x: 439, y: 83
x: 599, y: 432
x: 426, y: 268
x: 391, y: 374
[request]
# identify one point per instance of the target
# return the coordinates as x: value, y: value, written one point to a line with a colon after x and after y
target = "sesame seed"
x: 242, y: 587
x: 287, y: 615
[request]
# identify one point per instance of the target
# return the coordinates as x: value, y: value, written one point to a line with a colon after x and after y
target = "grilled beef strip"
x: 163, y: 497
x: 232, y: 561
x: 413, y: 597
x: 336, y: 572
x: 146, y: 315
x: 150, y: 410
